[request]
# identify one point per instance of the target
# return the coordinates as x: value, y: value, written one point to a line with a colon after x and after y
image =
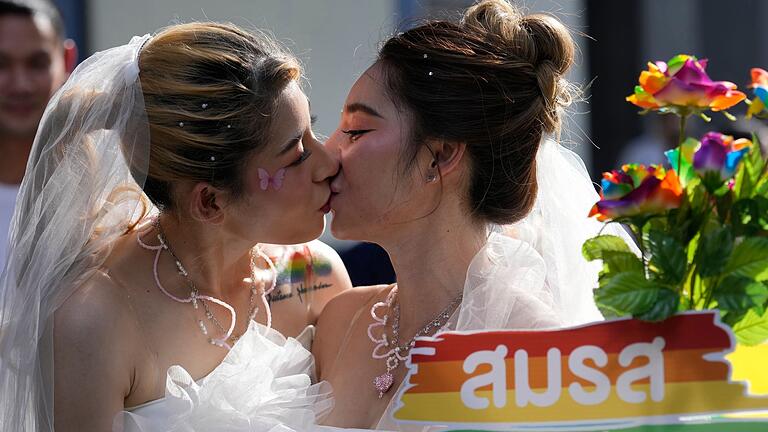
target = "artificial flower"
x: 682, y: 84
x: 759, y: 87
x: 715, y: 152
x: 637, y: 189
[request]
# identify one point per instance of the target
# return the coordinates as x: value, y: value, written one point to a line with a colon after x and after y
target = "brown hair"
x: 210, y: 92
x: 494, y: 81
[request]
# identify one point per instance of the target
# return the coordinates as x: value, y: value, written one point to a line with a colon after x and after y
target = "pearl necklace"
x: 399, y: 353
x: 196, y: 299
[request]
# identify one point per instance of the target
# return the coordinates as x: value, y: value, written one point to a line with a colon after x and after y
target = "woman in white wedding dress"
x: 449, y: 161
x: 114, y: 317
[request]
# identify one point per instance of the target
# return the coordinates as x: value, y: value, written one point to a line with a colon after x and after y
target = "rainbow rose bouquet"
x: 701, y: 224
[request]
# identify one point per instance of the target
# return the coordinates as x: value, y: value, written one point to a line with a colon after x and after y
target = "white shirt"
x: 8, y: 195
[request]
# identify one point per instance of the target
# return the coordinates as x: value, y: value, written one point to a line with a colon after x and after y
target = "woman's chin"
x: 310, y: 231
x: 340, y: 229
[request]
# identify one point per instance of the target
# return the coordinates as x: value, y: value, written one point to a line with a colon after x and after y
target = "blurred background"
x: 337, y: 40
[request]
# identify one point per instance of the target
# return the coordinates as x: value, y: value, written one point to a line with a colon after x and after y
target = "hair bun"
x: 539, y: 40
x: 495, y: 17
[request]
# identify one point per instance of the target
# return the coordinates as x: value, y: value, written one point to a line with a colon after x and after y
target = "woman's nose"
x: 332, y: 144
x: 329, y: 164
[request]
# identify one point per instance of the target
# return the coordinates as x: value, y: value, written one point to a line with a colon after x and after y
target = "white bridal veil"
x: 81, y: 190
x: 532, y: 274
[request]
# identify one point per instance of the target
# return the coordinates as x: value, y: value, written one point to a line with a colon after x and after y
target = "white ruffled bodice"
x: 263, y: 384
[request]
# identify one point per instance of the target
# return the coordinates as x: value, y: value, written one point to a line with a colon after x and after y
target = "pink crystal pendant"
x: 383, y: 383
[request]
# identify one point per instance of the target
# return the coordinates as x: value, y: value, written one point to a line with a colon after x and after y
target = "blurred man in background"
x: 35, y: 60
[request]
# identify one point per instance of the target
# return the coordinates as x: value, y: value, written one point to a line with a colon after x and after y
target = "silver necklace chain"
x: 253, y: 308
x: 432, y: 326
x: 399, y: 353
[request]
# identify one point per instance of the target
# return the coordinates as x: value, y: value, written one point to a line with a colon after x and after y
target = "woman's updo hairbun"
x: 493, y: 81
x: 538, y: 39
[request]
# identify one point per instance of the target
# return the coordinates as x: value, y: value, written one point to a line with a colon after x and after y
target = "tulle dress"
x: 263, y: 384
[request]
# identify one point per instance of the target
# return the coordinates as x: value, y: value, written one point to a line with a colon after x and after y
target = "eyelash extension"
x: 304, y: 156
x: 313, y: 119
x: 354, y: 133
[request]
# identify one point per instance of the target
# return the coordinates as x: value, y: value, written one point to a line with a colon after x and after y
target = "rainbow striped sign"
x: 620, y: 372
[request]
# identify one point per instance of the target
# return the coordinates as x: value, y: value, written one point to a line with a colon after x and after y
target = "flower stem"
x: 692, y: 289
x: 711, y: 292
x: 683, y: 120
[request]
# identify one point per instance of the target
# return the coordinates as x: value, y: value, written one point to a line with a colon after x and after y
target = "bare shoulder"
x: 349, y: 302
x: 97, y: 307
x: 94, y: 340
x: 330, y: 277
x: 336, y: 320
x: 329, y: 265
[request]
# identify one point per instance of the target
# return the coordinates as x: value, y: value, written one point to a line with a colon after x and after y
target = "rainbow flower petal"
x: 715, y: 152
x: 760, y: 89
x: 682, y: 83
x: 653, y: 190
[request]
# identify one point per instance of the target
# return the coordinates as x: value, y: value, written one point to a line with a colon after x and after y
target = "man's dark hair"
x: 35, y: 8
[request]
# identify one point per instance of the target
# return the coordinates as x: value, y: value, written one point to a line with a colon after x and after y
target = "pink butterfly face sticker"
x: 265, y: 180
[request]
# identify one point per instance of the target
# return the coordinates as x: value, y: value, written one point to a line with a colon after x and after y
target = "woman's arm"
x: 93, y: 357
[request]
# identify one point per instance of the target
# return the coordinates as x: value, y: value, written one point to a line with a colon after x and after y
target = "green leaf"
x: 712, y: 181
x: 759, y: 294
x: 749, y: 259
x: 752, y: 329
x: 696, y: 194
x: 713, y: 251
x: 693, y: 246
x: 733, y: 317
x: 746, y: 216
x: 593, y: 248
x: 745, y: 183
x: 762, y: 188
x: 620, y: 262
x: 735, y: 293
x: 627, y: 293
x: 753, y: 161
x: 668, y: 256
x: 666, y: 304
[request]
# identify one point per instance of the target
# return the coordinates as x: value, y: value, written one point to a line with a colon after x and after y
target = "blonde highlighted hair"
x: 210, y: 93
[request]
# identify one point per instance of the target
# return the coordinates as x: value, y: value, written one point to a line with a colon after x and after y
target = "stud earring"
x: 432, y: 176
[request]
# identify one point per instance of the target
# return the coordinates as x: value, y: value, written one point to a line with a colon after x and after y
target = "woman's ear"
x: 206, y: 203
x: 447, y: 156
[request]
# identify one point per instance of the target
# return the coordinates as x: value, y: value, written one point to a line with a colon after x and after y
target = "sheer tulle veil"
x: 532, y: 274
x: 81, y: 190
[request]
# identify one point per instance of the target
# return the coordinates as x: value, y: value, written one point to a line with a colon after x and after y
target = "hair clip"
x: 229, y: 126
x: 430, y: 73
x: 204, y: 106
x: 426, y: 56
x: 181, y: 124
x: 213, y: 158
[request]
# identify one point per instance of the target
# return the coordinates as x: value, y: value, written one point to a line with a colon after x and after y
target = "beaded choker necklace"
x: 196, y: 299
